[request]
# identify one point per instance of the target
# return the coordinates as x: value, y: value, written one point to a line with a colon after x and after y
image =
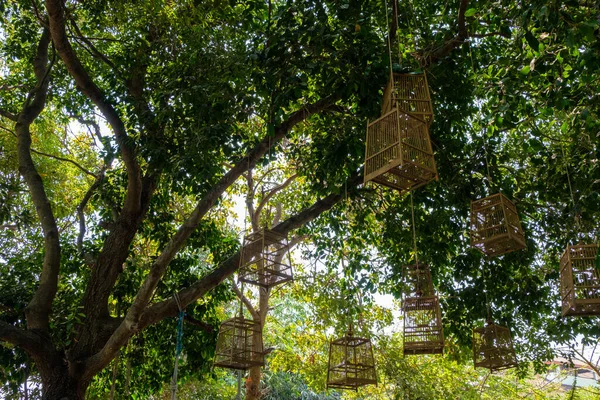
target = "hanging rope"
x: 414, y: 230
x: 577, y: 220
x: 178, y: 348
x: 485, y: 291
x: 487, y: 164
x: 389, y: 43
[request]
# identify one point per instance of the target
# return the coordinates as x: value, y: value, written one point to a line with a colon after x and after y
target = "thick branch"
x: 88, y: 87
x: 7, y: 114
x: 38, y: 309
x: 27, y: 340
x: 202, y: 325
x: 428, y: 58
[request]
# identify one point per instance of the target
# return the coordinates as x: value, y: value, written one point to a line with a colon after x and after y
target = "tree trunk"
x: 253, y: 384
x: 58, y: 384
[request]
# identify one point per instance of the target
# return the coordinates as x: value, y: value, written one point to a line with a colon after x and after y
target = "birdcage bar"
x: 239, y: 344
x: 351, y: 363
x: 493, y: 348
x: 410, y: 94
x: 265, y: 260
x: 399, y: 153
x: 495, y: 226
x: 418, y: 280
x: 423, y: 329
x: 580, y: 280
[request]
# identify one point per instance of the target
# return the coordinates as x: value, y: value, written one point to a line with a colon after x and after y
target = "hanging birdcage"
x: 265, y: 260
x: 495, y: 226
x: 418, y: 280
x: 423, y: 329
x: 410, y: 94
x: 493, y: 348
x: 351, y: 363
x: 399, y: 153
x: 239, y: 344
x: 580, y: 280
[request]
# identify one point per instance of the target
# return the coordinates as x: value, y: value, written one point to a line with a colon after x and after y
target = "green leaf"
x: 525, y: 70
x: 470, y: 12
x: 532, y: 40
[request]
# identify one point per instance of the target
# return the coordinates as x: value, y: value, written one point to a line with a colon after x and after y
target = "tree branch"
x: 38, y: 310
x: 245, y: 300
x: 427, y: 58
x: 268, y: 197
x: 250, y: 200
x: 93, y: 50
x: 7, y: 114
x: 88, y: 87
x: 202, y: 325
x: 81, y: 208
x: 75, y: 163
x: 27, y: 340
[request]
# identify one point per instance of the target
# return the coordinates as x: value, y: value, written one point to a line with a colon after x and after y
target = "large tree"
x: 98, y: 237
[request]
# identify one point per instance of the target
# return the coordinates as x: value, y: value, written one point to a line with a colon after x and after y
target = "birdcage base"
x: 275, y: 274
x: 498, y: 362
x: 351, y: 383
x: 580, y: 281
x: 501, y: 244
x: 239, y: 363
x: 581, y: 309
x: 406, y: 178
x: 415, y: 348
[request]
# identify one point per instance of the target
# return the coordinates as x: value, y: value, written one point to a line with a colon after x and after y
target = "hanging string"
x: 178, y: 347
x: 487, y: 163
x: 389, y: 43
x: 577, y: 221
x: 485, y: 291
x: 414, y: 230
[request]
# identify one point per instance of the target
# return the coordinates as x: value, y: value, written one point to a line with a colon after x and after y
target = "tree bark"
x: 61, y: 386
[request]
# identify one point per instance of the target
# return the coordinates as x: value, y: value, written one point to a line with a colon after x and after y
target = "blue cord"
x: 179, y: 333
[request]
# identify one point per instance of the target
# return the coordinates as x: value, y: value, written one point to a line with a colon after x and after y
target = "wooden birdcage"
x: 239, y: 344
x: 265, y: 260
x: 495, y: 226
x: 493, y: 348
x: 418, y: 280
x: 399, y: 153
x: 423, y: 329
x: 580, y: 280
x: 410, y: 94
x: 351, y: 363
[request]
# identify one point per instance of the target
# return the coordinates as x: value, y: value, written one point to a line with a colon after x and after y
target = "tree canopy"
x: 126, y: 127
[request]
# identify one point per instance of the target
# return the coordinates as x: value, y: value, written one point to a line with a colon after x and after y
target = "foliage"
x: 198, y: 85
